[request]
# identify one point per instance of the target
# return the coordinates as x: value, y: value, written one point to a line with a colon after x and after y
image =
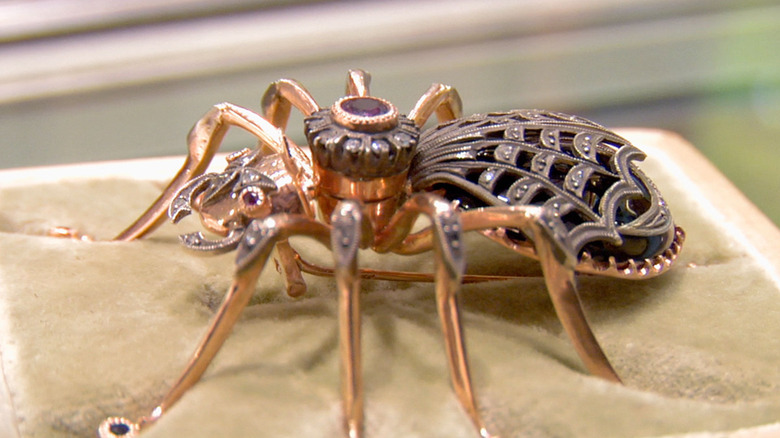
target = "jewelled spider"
x: 555, y: 187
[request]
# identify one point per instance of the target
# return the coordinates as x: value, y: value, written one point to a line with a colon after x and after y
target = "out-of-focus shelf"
x: 139, y: 78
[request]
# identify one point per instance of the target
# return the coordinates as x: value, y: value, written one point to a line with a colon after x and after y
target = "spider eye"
x: 253, y: 201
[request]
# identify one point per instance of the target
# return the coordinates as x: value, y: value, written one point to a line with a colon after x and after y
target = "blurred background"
x: 93, y: 80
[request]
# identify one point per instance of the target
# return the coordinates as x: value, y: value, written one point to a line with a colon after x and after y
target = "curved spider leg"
x: 281, y: 96
x: 441, y: 99
x: 450, y: 264
x: 253, y: 253
x: 558, y: 265
x: 204, y: 140
x: 358, y: 83
x: 346, y: 236
x: 277, y: 103
x: 558, y: 262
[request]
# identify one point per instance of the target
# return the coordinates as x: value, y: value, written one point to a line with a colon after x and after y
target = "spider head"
x: 230, y: 199
x: 251, y: 187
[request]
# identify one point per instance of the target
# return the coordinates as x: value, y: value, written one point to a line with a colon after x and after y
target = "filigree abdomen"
x: 579, y: 170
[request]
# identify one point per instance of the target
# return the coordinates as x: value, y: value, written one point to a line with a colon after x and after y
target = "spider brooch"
x: 547, y: 185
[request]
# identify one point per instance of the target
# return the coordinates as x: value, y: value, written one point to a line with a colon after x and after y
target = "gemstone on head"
x: 254, y: 203
x: 365, y: 113
x: 252, y: 198
x: 119, y: 429
x: 365, y: 107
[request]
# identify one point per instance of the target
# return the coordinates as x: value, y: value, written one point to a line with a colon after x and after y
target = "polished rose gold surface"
x: 358, y: 83
x: 228, y: 313
x: 558, y: 266
x: 369, y: 190
x: 281, y: 96
x: 379, y: 196
x: 440, y: 99
x: 378, y: 274
x: 291, y: 269
x: 68, y: 233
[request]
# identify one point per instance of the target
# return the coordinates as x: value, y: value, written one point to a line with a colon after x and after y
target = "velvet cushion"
x: 90, y: 330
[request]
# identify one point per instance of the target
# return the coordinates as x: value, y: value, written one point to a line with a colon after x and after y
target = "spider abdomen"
x: 580, y: 171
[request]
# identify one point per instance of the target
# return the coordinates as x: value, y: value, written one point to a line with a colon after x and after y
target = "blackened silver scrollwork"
x: 578, y: 170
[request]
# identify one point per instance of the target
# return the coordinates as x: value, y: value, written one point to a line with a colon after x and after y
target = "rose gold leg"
x: 277, y: 103
x: 220, y: 328
x: 252, y: 255
x: 204, y: 141
x: 291, y: 270
x: 345, y: 240
x: 449, y: 269
x: 358, y: 82
x: 558, y: 267
x: 281, y: 96
x: 441, y: 99
x: 450, y: 263
x: 558, y: 262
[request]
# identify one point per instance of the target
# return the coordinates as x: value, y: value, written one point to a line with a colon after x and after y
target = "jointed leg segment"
x: 450, y: 264
x: 347, y: 222
x: 440, y: 99
x: 358, y: 83
x: 204, y: 140
x: 344, y: 236
x: 558, y: 262
x: 281, y: 96
x: 253, y: 253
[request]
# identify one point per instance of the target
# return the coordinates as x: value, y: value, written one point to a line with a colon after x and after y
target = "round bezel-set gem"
x: 365, y: 113
x: 251, y: 198
x: 114, y: 427
x: 364, y: 107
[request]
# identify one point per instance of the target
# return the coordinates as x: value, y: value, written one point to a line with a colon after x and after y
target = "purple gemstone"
x: 365, y: 107
x: 119, y: 429
x: 250, y: 199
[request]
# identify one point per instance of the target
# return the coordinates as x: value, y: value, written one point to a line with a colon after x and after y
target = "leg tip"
x: 296, y: 290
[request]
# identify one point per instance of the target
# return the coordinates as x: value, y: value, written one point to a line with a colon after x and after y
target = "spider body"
x: 551, y: 186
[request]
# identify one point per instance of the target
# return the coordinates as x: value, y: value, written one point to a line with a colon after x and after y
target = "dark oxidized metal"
x: 583, y: 173
x: 361, y: 153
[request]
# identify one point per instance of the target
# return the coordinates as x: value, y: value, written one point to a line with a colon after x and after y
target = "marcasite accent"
x: 360, y: 154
